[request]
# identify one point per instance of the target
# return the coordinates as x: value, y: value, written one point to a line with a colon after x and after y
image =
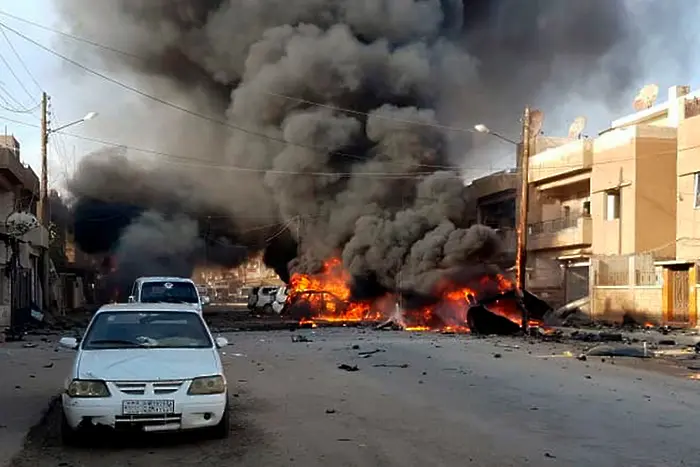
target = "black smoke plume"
x: 334, y: 111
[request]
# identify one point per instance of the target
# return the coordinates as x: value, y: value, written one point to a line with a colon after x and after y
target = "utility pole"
x: 44, y: 216
x: 521, y: 252
x: 44, y: 187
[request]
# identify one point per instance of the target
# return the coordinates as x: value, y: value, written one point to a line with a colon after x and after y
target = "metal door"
x: 679, y: 312
x: 576, y: 283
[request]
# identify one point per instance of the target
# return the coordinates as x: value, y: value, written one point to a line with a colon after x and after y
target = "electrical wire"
x: 19, y: 58
x: 12, y: 72
x: 197, y: 163
x: 269, y: 93
x: 202, y: 116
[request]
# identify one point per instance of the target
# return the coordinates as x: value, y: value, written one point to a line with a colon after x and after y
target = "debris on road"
x: 636, y: 351
x: 389, y: 365
x: 497, y: 355
x: 301, y: 338
x: 346, y: 367
x: 369, y: 353
x: 330, y: 411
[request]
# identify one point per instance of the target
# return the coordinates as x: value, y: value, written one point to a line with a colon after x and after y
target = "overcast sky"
x: 73, y: 93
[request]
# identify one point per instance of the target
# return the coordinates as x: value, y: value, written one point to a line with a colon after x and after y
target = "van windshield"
x: 168, y: 292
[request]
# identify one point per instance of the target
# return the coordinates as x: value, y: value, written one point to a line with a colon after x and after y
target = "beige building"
x: 617, y: 217
x: 20, y: 283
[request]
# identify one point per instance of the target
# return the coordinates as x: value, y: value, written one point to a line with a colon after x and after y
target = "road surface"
x: 423, y: 400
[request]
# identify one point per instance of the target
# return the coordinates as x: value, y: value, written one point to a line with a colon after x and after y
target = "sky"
x: 73, y: 94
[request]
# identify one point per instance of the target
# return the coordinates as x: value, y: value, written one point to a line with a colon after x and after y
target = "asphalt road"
x: 424, y: 400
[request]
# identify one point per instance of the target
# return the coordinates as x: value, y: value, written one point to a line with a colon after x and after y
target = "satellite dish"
x: 646, y: 97
x: 536, y: 120
x: 577, y: 127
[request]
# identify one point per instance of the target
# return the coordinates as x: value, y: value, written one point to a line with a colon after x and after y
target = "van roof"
x: 165, y: 279
x: 180, y: 307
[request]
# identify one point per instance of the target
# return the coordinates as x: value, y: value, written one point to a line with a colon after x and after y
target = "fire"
x: 326, y: 297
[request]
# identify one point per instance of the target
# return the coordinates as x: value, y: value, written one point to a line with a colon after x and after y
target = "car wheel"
x: 222, y: 429
x: 69, y: 436
x: 267, y: 309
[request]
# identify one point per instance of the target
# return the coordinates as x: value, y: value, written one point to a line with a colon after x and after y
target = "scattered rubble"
x: 346, y: 367
x: 301, y: 338
x: 638, y: 351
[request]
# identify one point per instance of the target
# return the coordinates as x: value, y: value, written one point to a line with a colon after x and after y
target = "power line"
x: 198, y: 114
x: 197, y: 163
x: 12, y: 72
x: 282, y: 96
x: 19, y: 58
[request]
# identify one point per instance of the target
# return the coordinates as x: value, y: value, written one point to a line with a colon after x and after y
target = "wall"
x: 613, y: 167
x: 612, y: 303
x: 688, y: 163
x: 655, y: 192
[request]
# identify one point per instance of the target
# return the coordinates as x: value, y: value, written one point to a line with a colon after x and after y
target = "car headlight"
x: 87, y: 388
x: 207, y: 385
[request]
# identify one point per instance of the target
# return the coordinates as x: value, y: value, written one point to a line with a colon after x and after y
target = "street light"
x: 88, y: 116
x: 521, y: 251
x: 43, y: 207
x: 481, y: 128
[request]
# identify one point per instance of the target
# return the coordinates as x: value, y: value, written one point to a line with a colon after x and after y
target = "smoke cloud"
x: 334, y: 140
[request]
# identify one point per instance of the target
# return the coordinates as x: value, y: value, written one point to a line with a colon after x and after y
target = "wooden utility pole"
x: 43, y: 211
x: 521, y: 252
x: 44, y: 187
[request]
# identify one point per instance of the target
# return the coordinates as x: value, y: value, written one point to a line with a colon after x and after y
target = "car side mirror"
x: 68, y: 342
x: 131, y: 299
x: 221, y: 342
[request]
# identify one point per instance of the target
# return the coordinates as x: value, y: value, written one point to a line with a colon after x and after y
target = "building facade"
x: 20, y: 252
x: 616, y: 218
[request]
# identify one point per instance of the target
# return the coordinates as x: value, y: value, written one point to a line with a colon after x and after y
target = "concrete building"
x: 617, y: 217
x: 20, y: 283
x: 493, y: 202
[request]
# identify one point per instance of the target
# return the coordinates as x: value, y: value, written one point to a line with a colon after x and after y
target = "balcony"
x: 571, y: 158
x: 13, y: 170
x: 560, y: 233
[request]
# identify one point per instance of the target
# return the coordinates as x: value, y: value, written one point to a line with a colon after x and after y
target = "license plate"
x: 143, y: 407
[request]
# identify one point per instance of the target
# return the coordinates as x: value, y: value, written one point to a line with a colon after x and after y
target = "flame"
x: 327, y: 295
x: 328, y: 298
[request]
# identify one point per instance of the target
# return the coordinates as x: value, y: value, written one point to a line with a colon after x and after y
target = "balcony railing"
x: 563, y: 232
x: 555, y: 225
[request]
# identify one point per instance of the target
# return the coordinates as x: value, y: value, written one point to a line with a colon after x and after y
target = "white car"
x: 158, y: 289
x: 153, y: 367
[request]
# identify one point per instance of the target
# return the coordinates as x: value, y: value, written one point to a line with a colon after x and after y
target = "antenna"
x: 646, y: 97
x: 536, y: 120
x: 577, y: 127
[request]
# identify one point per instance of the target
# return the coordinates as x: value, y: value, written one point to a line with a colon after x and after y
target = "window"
x: 173, y: 292
x: 696, y: 202
x: 612, y: 205
x: 146, y: 329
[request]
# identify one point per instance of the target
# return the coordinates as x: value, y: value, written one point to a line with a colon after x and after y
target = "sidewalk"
x: 652, y: 336
x: 31, y: 376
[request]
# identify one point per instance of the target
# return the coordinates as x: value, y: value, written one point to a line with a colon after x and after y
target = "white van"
x: 165, y: 290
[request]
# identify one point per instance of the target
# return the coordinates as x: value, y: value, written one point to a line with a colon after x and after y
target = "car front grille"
x: 139, y: 388
x: 150, y: 420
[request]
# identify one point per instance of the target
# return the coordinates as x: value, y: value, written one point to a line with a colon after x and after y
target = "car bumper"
x: 191, y: 413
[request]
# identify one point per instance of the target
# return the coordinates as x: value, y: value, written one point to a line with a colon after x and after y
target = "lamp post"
x: 43, y: 208
x: 523, y: 204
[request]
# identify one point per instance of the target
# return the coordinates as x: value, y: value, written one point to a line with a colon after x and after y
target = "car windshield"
x: 168, y: 292
x: 147, y: 329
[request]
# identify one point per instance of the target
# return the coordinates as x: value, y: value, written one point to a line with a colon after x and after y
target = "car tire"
x: 223, y: 428
x: 268, y: 310
x: 69, y: 436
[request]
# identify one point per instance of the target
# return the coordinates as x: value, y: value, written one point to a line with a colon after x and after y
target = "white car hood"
x: 147, y: 364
